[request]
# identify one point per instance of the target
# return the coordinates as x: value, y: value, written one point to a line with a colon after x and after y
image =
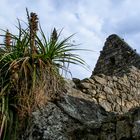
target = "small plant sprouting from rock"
x: 29, y: 73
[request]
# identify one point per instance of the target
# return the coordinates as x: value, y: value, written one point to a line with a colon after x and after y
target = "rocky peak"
x: 116, y: 57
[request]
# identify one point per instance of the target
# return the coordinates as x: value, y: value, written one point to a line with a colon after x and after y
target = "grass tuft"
x: 30, y: 67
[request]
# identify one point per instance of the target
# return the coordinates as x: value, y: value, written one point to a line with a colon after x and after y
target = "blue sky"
x: 91, y: 20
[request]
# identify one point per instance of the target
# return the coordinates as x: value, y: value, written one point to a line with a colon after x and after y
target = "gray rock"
x: 136, y: 130
x: 123, y: 130
x: 61, y: 120
x: 100, y: 80
x: 81, y: 109
x: 108, y: 90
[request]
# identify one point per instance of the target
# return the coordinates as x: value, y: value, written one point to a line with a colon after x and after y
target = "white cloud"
x: 91, y: 20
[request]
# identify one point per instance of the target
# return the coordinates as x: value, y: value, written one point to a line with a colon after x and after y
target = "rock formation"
x: 102, y: 107
x: 116, y: 57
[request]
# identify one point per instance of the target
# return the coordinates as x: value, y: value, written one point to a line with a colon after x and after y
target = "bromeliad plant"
x: 29, y: 67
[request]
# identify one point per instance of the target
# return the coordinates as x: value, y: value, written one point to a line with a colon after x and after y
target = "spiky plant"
x: 29, y: 72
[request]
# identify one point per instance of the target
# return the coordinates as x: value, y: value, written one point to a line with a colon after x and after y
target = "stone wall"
x: 117, y: 94
x: 116, y: 57
x: 115, y: 81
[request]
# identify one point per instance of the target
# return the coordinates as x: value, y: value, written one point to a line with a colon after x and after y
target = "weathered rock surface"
x: 105, y: 106
x: 77, y: 117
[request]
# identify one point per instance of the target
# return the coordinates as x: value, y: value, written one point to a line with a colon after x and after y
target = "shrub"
x: 29, y: 70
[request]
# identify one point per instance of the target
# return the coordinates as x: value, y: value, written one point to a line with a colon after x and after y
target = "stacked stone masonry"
x: 115, y: 81
x: 117, y: 94
x: 116, y: 57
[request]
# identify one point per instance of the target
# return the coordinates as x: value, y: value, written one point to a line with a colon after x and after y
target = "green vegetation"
x: 29, y: 70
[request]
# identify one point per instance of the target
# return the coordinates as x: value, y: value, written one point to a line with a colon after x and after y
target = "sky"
x: 92, y: 21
